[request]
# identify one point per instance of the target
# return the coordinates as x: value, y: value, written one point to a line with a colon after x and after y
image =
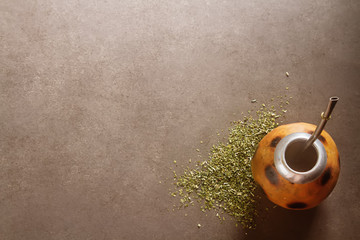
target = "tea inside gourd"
x: 299, y: 160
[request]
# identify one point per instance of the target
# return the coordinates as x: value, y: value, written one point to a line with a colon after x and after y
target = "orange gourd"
x: 280, y: 190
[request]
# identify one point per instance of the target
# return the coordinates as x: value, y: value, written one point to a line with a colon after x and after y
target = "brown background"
x: 98, y: 98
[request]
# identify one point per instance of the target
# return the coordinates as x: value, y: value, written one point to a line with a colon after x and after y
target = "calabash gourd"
x: 287, y: 193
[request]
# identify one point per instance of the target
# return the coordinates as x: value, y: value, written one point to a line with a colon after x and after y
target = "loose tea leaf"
x: 224, y: 182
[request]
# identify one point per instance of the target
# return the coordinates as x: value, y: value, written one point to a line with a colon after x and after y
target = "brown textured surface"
x: 99, y: 97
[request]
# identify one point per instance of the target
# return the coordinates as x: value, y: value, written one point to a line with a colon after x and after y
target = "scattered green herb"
x: 224, y: 182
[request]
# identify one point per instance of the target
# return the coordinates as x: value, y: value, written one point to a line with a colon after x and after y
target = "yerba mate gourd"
x: 297, y: 189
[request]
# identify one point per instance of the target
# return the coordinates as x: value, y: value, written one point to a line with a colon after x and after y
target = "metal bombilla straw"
x: 325, y: 116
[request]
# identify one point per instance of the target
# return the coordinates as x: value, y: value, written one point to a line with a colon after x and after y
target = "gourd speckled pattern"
x: 278, y: 189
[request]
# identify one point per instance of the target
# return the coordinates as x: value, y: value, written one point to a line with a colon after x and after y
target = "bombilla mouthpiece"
x: 330, y: 107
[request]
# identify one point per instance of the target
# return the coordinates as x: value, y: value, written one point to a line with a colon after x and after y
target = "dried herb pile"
x: 224, y: 182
